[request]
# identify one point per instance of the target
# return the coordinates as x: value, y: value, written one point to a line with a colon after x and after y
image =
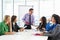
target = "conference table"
x: 25, y: 35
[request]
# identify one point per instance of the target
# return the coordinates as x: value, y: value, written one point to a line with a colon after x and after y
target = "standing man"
x: 28, y: 19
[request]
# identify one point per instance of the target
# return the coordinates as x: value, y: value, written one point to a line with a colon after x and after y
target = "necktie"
x: 29, y: 19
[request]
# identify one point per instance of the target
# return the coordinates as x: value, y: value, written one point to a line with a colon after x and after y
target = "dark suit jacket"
x: 54, y: 34
x: 15, y: 27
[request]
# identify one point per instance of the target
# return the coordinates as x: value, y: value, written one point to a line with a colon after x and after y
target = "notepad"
x: 37, y: 34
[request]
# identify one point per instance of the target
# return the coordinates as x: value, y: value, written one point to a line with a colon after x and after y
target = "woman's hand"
x: 9, y: 33
x: 22, y: 29
x: 42, y: 33
x: 43, y: 29
x: 49, y: 20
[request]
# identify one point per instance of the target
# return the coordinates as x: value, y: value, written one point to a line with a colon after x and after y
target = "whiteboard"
x: 23, y: 9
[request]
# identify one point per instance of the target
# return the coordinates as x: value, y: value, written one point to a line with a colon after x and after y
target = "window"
x: 0, y: 10
x: 7, y: 7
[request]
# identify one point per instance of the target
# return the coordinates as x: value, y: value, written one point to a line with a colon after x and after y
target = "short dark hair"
x: 56, y: 17
x: 31, y: 9
x: 13, y: 18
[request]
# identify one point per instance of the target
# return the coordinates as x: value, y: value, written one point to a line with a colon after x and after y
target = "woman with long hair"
x: 51, y: 24
x: 42, y: 24
x: 15, y: 27
x: 5, y: 26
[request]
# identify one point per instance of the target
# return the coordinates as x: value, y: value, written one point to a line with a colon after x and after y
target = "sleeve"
x: 47, y: 27
x: 53, y: 33
x: 17, y: 26
x: 39, y: 24
x: 33, y: 19
x: 2, y: 31
x: 24, y: 17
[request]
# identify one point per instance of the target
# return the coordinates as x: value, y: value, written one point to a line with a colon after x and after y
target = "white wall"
x: 49, y: 7
x: 57, y: 7
x: 46, y: 8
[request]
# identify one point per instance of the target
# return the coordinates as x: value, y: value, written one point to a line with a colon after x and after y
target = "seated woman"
x: 15, y: 27
x: 53, y: 23
x: 42, y: 25
x: 55, y: 33
x: 5, y: 26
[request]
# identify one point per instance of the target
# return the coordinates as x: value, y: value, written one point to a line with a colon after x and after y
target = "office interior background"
x: 20, y: 7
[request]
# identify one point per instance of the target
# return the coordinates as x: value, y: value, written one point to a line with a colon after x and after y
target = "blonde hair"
x: 6, y: 16
x: 10, y: 26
